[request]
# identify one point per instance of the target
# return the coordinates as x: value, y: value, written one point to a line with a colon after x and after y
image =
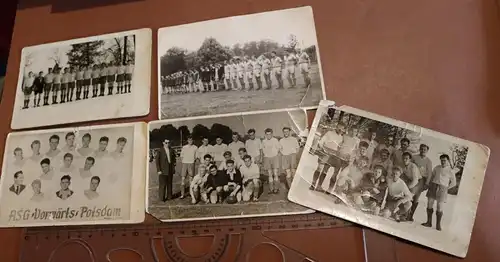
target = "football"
x: 231, y: 200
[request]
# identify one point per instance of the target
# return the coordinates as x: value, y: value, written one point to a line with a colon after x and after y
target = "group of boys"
x: 233, y: 171
x: 62, y: 82
x: 383, y: 179
x: 51, y: 174
x: 246, y: 73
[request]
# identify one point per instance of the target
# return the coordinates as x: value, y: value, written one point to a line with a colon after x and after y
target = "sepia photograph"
x: 74, y: 176
x: 244, y: 63
x: 391, y: 176
x: 106, y: 76
x: 223, y: 167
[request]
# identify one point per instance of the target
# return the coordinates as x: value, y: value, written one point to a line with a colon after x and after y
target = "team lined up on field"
x: 241, y: 74
x: 62, y: 82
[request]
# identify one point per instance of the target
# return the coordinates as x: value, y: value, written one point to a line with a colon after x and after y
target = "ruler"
x: 283, y: 238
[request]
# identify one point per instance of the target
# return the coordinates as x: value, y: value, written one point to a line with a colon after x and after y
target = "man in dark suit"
x: 165, y: 166
x: 18, y: 185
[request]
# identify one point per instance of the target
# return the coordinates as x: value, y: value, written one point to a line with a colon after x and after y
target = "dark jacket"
x: 237, y: 178
x: 38, y: 84
x: 162, y: 164
x: 13, y: 189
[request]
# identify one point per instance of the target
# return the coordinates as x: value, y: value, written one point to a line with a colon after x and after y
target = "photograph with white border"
x: 392, y: 176
x: 106, y: 76
x: 74, y: 176
x: 247, y: 63
x: 224, y: 167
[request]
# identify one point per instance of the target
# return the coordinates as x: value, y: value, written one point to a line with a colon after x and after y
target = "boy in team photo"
x: 79, y: 82
x: 277, y: 68
x: 120, y: 78
x: 111, y: 77
x: 28, y: 88
x: 65, y: 79
x: 103, y: 76
x: 96, y: 73
x: 71, y: 84
x: 38, y: 86
x: 87, y: 81
x: 291, y: 62
x: 129, y: 70
x: 48, y: 78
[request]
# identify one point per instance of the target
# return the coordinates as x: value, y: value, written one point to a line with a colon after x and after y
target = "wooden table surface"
x: 430, y: 63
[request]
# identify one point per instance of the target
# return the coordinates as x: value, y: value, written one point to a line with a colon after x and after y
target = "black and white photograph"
x: 246, y: 63
x: 395, y: 177
x: 223, y: 167
x: 105, y: 76
x: 74, y: 176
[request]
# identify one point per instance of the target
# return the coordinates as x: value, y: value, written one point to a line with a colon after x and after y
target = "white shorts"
x: 304, y: 68
x: 256, y: 73
x: 291, y: 69
x: 249, y: 74
x: 226, y: 77
x: 241, y: 74
x: 234, y: 75
x: 265, y: 71
x: 277, y: 70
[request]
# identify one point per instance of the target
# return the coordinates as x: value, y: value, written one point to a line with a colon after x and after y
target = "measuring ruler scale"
x: 311, y: 237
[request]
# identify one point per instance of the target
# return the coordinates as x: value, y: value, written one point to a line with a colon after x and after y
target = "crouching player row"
x: 380, y: 192
x: 231, y: 184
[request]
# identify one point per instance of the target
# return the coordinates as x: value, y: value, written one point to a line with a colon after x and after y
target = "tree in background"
x: 200, y: 132
x: 85, y: 54
x: 292, y: 42
x: 223, y: 131
x: 173, y: 60
x: 170, y: 132
x: 458, y: 158
x: 211, y: 51
x: 184, y: 133
x: 311, y: 51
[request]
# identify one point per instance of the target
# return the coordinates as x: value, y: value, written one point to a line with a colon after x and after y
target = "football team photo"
x: 270, y: 59
x: 86, y: 73
x: 409, y: 179
x: 224, y: 167
x: 81, y: 170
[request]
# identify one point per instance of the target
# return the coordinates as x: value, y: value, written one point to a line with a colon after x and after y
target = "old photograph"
x: 244, y: 63
x: 103, y: 76
x: 395, y: 177
x: 221, y: 167
x: 74, y: 176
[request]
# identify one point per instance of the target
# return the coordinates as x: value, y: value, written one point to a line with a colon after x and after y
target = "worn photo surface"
x: 106, y: 76
x: 401, y: 179
x: 244, y: 63
x: 70, y: 176
x: 221, y: 167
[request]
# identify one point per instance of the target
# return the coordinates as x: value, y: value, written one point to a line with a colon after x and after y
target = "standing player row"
x: 62, y: 83
x: 241, y: 74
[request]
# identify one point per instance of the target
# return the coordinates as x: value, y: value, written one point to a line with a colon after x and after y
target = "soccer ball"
x: 231, y: 200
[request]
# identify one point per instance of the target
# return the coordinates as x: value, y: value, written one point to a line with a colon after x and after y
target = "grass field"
x: 222, y: 102
x: 183, y: 209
